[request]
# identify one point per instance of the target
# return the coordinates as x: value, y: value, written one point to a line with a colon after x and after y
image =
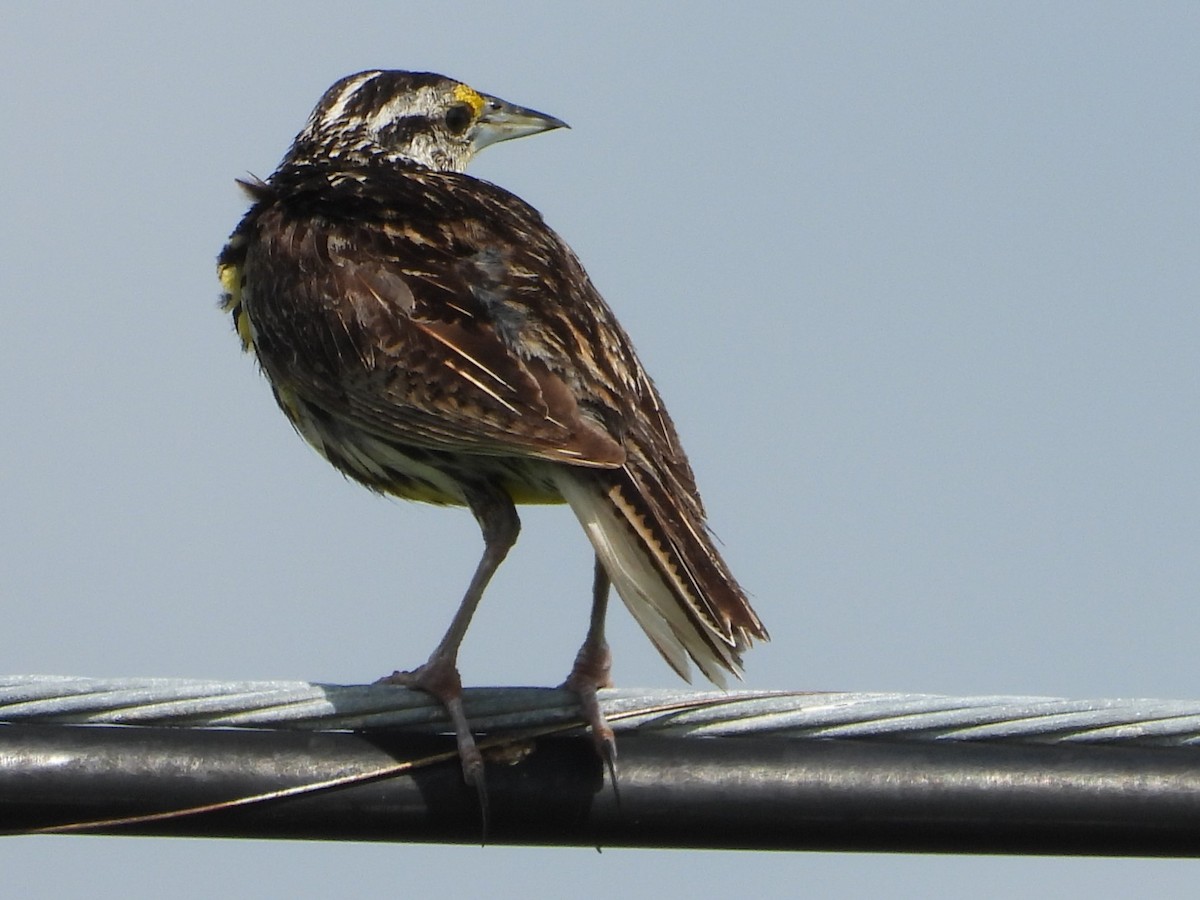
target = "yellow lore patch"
x: 465, y: 94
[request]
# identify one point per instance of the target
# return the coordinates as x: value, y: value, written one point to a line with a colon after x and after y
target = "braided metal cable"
x: 295, y: 705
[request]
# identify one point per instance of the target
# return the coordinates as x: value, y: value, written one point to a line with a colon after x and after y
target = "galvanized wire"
x: 295, y: 705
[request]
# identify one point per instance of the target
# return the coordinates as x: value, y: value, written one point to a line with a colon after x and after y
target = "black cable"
x: 744, y: 792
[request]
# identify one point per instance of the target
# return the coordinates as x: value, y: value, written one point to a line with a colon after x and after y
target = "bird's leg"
x: 593, y: 665
x: 439, y: 676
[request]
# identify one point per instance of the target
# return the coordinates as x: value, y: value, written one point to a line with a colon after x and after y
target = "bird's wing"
x: 432, y: 331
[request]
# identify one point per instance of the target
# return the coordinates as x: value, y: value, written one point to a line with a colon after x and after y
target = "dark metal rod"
x: 751, y: 793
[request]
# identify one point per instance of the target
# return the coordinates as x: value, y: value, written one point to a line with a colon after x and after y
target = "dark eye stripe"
x: 401, y: 130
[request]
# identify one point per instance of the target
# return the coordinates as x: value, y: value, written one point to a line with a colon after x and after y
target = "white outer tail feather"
x: 641, y: 586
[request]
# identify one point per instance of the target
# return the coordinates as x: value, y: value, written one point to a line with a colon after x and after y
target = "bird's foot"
x: 439, y: 677
x: 591, y: 672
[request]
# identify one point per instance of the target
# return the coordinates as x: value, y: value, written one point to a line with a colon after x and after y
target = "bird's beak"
x: 503, y: 121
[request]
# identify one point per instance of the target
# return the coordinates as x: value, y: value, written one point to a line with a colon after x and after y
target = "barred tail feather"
x: 666, y: 570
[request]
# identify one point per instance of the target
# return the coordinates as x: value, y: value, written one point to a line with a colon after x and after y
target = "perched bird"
x: 435, y: 340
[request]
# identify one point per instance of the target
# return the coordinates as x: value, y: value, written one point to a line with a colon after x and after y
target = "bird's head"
x: 415, y: 116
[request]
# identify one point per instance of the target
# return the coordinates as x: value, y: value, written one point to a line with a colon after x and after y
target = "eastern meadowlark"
x: 433, y: 339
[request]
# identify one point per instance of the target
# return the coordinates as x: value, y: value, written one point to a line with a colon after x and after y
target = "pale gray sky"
x: 917, y: 281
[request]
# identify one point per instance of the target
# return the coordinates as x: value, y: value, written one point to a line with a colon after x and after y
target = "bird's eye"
x: 458, y: 118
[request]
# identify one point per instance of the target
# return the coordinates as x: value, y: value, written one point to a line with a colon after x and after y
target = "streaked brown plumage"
x: 435, y: 340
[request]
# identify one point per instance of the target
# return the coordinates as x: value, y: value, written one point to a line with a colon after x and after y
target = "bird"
x: 435, y: 340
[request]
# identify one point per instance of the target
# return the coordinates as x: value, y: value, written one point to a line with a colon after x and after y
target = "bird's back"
x: 440, y: 310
